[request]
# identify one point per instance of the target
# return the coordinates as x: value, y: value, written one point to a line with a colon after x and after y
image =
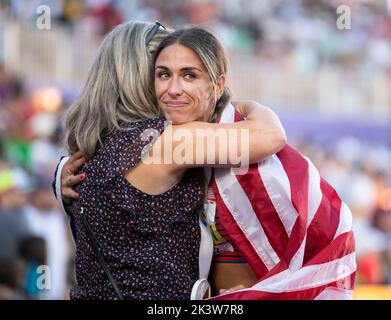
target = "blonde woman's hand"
x: 68, y: 178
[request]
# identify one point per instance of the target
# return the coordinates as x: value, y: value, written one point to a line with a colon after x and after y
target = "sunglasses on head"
x: 153, y: 32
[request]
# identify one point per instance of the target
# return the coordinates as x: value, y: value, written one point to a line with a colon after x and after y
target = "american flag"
x: 290, y: 225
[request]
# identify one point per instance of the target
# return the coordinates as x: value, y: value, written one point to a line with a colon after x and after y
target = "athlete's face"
x: 183, y: 87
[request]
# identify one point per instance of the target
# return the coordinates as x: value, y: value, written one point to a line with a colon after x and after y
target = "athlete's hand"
x: 69, y: 180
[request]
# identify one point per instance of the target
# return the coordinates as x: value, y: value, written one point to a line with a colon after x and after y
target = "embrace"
x: 258, y: 225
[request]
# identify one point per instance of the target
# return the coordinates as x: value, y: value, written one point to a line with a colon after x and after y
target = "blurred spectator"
x: 13, y: 224
x: 33, y: 252
x: 47, y: 222
x: 14, y: 229
x: 105, y: 14
x: 382, y: 222
x: 72, y: 11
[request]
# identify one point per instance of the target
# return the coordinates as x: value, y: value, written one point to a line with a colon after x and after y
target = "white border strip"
x: 58, y: 183
x: 228, y: 114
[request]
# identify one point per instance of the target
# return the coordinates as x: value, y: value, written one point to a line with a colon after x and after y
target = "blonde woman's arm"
x: 260, y: 135
x: 203, y: 144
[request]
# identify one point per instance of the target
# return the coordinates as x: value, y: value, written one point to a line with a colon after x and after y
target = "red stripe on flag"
x: 296, y: 169
x: 263, y: 207
x: 238, y: 117
x: 322, y: 229
x: 237, y: 235
x: 341, y: 246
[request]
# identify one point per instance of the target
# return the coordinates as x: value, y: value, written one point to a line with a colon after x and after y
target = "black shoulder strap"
x: 96, y: 247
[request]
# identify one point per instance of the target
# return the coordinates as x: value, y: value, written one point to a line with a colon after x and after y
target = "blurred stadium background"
x: 331, y: 88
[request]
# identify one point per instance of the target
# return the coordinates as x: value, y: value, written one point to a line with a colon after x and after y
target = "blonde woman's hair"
x: 118, y: 88
x: 211, y: 53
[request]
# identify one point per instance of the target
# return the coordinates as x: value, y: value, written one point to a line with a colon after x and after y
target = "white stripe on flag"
x: 241, y: 209
x: 345, y: 220
x: 314, y: 191
x: 297, y: 260
x: 308, y: 277
x: 228, y: 114
x: 277, y: 186
x: 314, y: 200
